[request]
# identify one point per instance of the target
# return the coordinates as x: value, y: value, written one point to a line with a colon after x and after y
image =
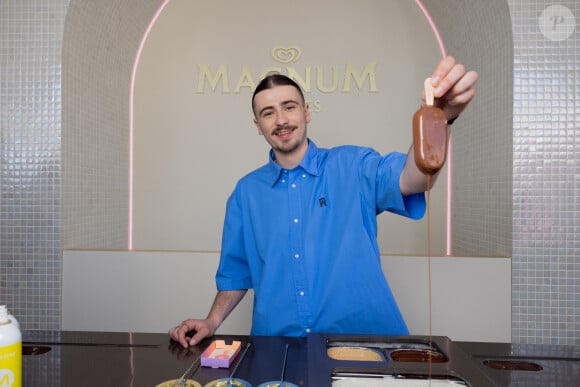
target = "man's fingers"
x: 199, y: 335
x: 181, y: 332
x: 442, y: 69
x: 451, y: 79
x: 178, y: 333
x: 462, y: 85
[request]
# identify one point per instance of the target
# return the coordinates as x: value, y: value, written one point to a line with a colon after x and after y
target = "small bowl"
x: 232, y: 382
x: 177, y: 382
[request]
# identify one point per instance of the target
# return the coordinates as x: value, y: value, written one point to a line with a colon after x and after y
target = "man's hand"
x: 225, y: 301
x: 202, y: 328
x: 453, y: 86
x: 453, y: 90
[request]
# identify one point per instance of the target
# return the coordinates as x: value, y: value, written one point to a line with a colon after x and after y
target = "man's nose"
x: 281, y: 118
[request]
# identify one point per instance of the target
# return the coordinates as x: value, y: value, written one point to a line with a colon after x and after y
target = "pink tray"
x: 219, y: 354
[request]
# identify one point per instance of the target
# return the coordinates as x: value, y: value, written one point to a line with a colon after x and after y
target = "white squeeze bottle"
x: 10, y: 351
x: 11, y: 318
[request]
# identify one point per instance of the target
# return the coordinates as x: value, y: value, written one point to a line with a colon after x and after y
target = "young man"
x: 301, y: 230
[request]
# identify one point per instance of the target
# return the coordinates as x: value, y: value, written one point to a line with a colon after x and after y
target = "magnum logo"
x: 286, y: 54
x: 331, y: 79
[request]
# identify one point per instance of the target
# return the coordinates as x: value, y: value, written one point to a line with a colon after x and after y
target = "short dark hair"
x: 274, y: 80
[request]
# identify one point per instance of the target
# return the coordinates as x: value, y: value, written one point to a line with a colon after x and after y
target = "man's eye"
x: 266, y: 114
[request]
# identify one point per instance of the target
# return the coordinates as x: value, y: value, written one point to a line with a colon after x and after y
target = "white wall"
x: 153, y: 291
x: 141, y: 291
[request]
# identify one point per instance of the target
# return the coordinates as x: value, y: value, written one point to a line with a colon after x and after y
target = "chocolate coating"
x: 430, y: 134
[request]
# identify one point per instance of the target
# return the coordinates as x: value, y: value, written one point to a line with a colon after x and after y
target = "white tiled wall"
x: 30, y: 162
x: 478, y: 33
x: 543, y: 160
x: 546, y: 197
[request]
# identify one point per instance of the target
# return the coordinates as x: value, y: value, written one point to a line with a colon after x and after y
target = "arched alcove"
x: 99, y: 49
x: 193, y: 130
x: 100, y: 43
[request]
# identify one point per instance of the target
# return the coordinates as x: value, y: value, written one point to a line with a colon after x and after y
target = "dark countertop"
x: 146, y: 359
x: 560, y: 365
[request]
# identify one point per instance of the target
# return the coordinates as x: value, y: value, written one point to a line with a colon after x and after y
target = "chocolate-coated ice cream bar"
x: 430, y: 134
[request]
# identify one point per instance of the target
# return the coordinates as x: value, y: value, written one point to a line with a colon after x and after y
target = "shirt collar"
x: 309, y: 163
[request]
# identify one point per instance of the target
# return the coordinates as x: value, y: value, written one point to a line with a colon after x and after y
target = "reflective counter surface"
x: 55, y: 358
x: 147, y: 359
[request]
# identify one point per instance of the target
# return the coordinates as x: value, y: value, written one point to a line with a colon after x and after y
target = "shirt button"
x: 307, y: 330
x: 301, y: 293
x: 296, y: 256
x: 303, y: 175
x: 293, y: 185
x: 283, y: 181
x: 295, y: 220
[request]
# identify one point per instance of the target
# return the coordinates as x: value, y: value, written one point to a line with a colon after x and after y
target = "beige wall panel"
x: 152, y: 291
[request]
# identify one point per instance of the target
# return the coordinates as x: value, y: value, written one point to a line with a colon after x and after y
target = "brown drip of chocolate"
x: 430, y: 359
x: 430, y: 138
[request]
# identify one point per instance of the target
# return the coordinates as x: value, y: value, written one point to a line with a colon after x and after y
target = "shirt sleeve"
x: 382, y: 174
x: 233, y: 272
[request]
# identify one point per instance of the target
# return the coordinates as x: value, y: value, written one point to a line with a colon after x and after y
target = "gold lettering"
x: 245, y: 80
x: 205, y: 73
x: 368, y: 72
x: 304, y: 84
x: 327, y: 80
x: 320, y: 80
x: 315, y: 106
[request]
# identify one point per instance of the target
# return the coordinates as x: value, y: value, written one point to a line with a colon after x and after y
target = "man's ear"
x: 258, y: 127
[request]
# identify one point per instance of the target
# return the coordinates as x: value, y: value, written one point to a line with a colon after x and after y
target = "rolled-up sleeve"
x: 233, y: 272
x: 382, y: 174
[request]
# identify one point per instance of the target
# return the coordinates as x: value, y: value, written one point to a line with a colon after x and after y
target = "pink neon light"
x: 433, y: 27
x: 449, y: 161
x: 131, y: 120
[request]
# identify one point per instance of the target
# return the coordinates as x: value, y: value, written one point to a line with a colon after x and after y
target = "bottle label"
x: 11, y: 365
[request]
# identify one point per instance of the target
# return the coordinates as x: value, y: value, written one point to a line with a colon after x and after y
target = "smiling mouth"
x: 284, y: 132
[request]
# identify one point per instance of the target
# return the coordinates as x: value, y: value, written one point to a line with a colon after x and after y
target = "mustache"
x: 284, y: 128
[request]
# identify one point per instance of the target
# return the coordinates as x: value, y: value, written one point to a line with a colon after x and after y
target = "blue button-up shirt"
x: 306, y: 241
